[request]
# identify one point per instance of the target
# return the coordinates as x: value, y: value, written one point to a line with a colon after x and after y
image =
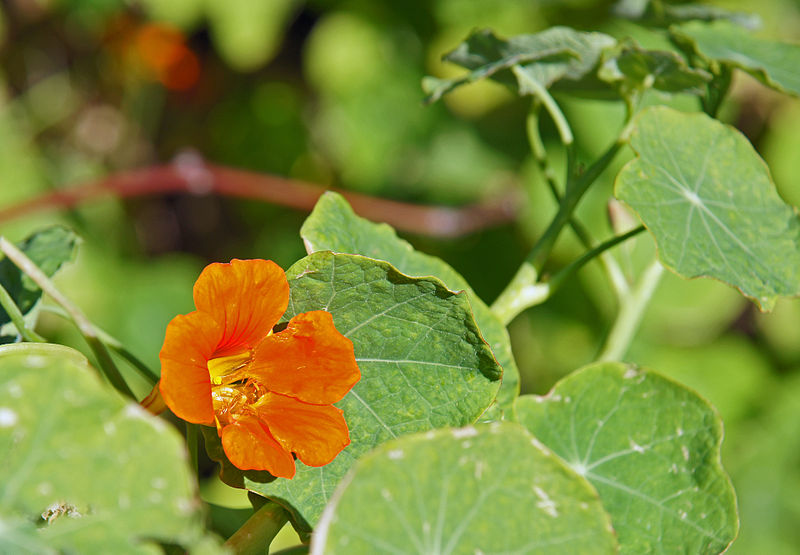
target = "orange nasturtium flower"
x: 269, y: 394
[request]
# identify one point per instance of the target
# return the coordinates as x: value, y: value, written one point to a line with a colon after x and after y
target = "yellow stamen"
x: 225, y: 369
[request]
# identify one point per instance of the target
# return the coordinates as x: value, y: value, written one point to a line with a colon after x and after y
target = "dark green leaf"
x: 556, y: 54
x: 423, y: 364
x: 484, y: 489
x: 650, y: 446
x: 708, y: 199
x: 48, y: 249
x: 334, y: 226
x: 633, y: 69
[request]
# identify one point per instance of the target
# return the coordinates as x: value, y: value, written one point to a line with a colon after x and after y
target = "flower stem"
x: 257, y: 533
x: 630, y: 313
x: 191, y: 444
x: 14, y: 313
x: 86, y: 328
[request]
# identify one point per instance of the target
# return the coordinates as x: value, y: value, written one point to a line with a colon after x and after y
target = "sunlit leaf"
x: 85, y: 471
x: 423, y: 365
x: 334, y: 226
x: 708, y: 199
x: 48, y: 249
x: 774, y: 63
x: 484, y: 489
x: 650, y: 446
x: 556, y: 54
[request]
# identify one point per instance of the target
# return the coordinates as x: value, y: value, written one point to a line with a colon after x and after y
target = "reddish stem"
x: 192, y: 175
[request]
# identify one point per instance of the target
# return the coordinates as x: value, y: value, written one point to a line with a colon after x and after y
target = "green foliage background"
x: 329, y: 92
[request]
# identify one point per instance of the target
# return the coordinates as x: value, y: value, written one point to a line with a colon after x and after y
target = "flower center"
x: 233, y: 389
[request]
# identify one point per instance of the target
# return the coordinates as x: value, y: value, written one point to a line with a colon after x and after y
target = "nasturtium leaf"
x: 632, y: 68
x: 708, y: 199
x: 773, y: 63
x: 483, y: 489
x: 667, y: 13
x: 335, y: 227
x: 650, y: 446
x: 553, y: 55
x: 423, y: 365
x: 48, y: 249
x: 84, y: 470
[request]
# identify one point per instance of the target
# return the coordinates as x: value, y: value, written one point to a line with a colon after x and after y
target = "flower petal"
x: 309, y: 360
x: 316, y: 433
x: 250, y: 447
x: 245, y: 297
x: 185, y: 384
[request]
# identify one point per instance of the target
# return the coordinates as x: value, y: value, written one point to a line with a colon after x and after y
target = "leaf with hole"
x: 709, y: 201
x: 334, y: 226
x: 650, y: 446
x: 423, y: 365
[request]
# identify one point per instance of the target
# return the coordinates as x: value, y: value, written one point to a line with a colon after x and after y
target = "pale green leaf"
x: 84, y: 470
x: 334, y: 226
x: 650, y: 446
x: 484, y: 489
x: 423, y: 365
x: 708, y: 199
x: 556, y: 54
x: 774, y: 63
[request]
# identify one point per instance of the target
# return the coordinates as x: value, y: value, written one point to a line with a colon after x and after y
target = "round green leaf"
x: 707, y: 197
x: 650, y: 446
x: 484, y: 489
x: 423, y: 365
x: 334, y: 226
x: 84, y: 471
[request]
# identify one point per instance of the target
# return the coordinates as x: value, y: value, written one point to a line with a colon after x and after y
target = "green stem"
x: 630, y: 313
x: 114, y: 344
x: 600, y: 249
x: 564, y: 130
x: 15, y: 314
x: 531, y: 293
x: 610, y: 266
x: 86, y: 328
x: 191, y: 444
x: 257, y: 533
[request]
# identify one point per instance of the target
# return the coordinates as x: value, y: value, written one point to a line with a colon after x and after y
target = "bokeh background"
x: 329, y: 93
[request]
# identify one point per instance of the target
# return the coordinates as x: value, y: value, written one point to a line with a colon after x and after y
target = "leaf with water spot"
x: 423, y: 364
x: 334, y: 226
x: 709, y: 201
x: 650, y: 446
x: 483, y: 489
x: 84, y: 470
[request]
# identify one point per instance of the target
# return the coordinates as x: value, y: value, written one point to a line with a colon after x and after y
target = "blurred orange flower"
x: 269, y: 394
